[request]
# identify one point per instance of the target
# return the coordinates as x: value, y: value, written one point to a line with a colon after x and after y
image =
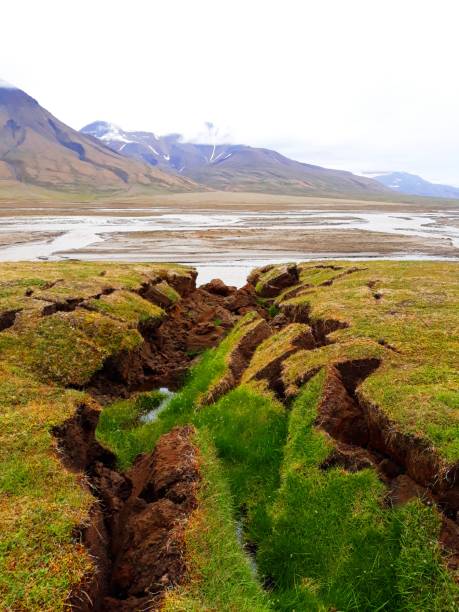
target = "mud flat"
x: 313, y: 434
x: 240, y: 237
x: 210, y: 201
x: 13, y: 239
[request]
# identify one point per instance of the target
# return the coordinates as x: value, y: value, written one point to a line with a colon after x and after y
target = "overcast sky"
x: 364, y: 85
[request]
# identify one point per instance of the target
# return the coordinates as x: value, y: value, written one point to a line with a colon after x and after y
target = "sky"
x: 361, y: 85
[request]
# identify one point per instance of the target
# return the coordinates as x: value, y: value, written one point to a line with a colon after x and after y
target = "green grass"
x: 42, y: 504
x: 277, y: 346
x: 219, y: 576
x: 247, y: 428
x: 121, y: 430
x: 180, y: 410
x: 417, y: 317
x: 325, y: 539
x: 333, y: 544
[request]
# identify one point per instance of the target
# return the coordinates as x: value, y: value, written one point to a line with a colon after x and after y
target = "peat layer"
x: 136, y: 532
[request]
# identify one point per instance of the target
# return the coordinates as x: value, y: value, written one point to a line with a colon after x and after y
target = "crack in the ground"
x: 8, y: 318
x: 135, y: 533
x: 365, y: 437
x: 136, y: 526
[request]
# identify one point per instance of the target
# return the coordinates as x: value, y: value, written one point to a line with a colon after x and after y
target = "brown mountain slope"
x: 37, y: 148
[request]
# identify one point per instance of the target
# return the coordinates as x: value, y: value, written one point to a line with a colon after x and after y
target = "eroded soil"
x: 136, y: 532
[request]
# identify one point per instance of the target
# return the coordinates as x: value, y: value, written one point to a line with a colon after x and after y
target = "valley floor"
x: 230, y: 228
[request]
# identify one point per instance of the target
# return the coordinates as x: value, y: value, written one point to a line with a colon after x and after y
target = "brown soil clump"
x: 136, y: 528
x: 148, y: 543
x: 198, y: 321
x: 285, y: 276
x: 7, y: 319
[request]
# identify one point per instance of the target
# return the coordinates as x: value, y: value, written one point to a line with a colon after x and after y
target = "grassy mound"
x: 42, y: 352
x: 411, y: 310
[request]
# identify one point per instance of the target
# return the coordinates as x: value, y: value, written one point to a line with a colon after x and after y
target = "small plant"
x: 273, y: 310
x: 145, y: 402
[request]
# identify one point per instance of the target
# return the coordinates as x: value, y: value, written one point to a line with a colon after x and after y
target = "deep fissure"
x: 126, y: 498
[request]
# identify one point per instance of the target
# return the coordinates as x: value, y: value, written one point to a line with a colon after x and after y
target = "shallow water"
x: 82, y: 232
x: 153, y: 414
x: 235, y: 272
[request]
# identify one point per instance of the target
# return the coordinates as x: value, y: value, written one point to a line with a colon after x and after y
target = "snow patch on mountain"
x: 5, y: 85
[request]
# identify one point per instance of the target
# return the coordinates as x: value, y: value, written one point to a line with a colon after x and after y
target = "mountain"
x: 230, y: 167
x: 37, y: 148
x: 403, y: 182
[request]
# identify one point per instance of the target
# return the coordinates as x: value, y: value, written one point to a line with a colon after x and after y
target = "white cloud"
x: 353, y: 84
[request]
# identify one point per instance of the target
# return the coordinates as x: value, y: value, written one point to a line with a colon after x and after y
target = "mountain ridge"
x: 412, y: 184
x: 37, y: 148
x: 230, y: 167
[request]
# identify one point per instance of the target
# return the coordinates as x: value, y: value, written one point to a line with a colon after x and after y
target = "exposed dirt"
x: 7, y: 319
x: 271, y: 368
x: 238, y: 360
x: 366, y: 438
x: 147, y: 540
x: 284, y: 276
x: 135, y: 532
x: 198, y: 321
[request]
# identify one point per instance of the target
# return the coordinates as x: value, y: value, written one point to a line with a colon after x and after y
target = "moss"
x: 170, y: 293
x: 68, y: 348
x: 128, y: 307
x: 265, y: 278
x: 324, y: 538
x: 41, y: 503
